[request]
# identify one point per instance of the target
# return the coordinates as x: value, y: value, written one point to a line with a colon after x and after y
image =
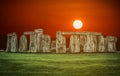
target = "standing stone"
x: 94, y: 41
x: 101, y: 43
x: 74, y: 44
x: 111, y: 43
x: 32, y: 45
x: 23, y: 44
x: 38, y: 35
x: 12, y: 42
x: 8, y: 49
x: 46, y: 40
x: 53, y: 46
x: 60, y: 43
x: 89, y: 45
x: 83, y: 41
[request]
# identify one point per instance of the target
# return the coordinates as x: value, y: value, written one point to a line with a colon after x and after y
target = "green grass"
x: 96, y: 64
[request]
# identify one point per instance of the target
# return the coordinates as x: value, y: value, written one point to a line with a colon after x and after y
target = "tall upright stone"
x: 101, y: 44
x: 83, y: 40
x: 38, y: 35
x: 74, y: 44
x: 111, y: 43
x: 32, y: 45
x: 12, y: 42
x: 60, y: 43
x: 23, y: 44
x: 94, y: 42
x: 53, y: 46
x: 89, y: 45
x: 46, y: 40
x: 91, y: 42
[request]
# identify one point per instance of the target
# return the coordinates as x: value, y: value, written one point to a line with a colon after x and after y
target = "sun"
x: 77, y: 24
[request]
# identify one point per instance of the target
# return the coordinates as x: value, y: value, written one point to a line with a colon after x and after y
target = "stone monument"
x: 79, y: 42
x: 12, y: 42
x: 83, y: 40
x: 46, y: 41
x: 60, y: 43
x: 32, y: 45
x: 101, y: 44
x: 111, y: 43
x: 38, y: 35
x: 23, y: 44
x: 74, y: 44
x: 53, y: 46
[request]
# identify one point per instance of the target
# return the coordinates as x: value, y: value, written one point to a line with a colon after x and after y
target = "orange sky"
x: 52, y: 15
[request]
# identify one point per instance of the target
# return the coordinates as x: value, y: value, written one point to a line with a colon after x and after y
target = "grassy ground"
x: 96, y: 64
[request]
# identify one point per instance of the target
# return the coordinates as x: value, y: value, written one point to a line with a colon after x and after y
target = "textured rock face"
x: 60, y: 43
x: 101, y: 44
x: 91, y: 43
x: 111, y: 43
x: 46, y: 40
x: 38, y: 35
x: 79, y: 42
x: 74, y: 44
x: 53, y: 46
x: 12, y: 42
x: 38, y: 41
x: 23, y: 44
x: 83, y: 40
x: 32, y: 45
x: 88, y: 47
x: 94, y: 42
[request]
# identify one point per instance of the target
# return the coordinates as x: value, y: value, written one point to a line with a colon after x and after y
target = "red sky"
x: 52, y: 15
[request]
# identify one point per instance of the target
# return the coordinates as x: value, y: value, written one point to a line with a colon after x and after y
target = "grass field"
x: 96, y: 64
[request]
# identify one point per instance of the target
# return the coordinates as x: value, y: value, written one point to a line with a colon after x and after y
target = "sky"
x: 54, y: 15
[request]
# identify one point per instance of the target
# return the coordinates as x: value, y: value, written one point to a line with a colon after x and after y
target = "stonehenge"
x: 38, y: 42
x: 12, y: 43
x: 23, y: 44
x: 60, y: 43
x: 53, y: 46
x: 101, y: 44
x: 111, y: 43
x: 46, y: 40
x: 74, y: 44
x: 38, y: 37
x: 32, y: 45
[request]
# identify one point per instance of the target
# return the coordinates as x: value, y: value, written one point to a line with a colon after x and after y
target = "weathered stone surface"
x: 79, y: 42
x: 74, y: 44
x: 12, y: 42
x: 94, y: 41
x: 38, y: 35
x: 83, y: 40
x: 80, y: 33
x: 23, y: 44
x: 111, y: 43
x: 28, y: 33
x: 60, y: 43
x: 32, y: 45
x: 87, y: 46
x: 39, y: 31
x: 90, y: 45
x: 53, y: 46
x: 101, y: 44
x: 46, y: 40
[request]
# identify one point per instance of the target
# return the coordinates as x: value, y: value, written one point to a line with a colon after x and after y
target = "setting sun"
x: 77, y: 24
